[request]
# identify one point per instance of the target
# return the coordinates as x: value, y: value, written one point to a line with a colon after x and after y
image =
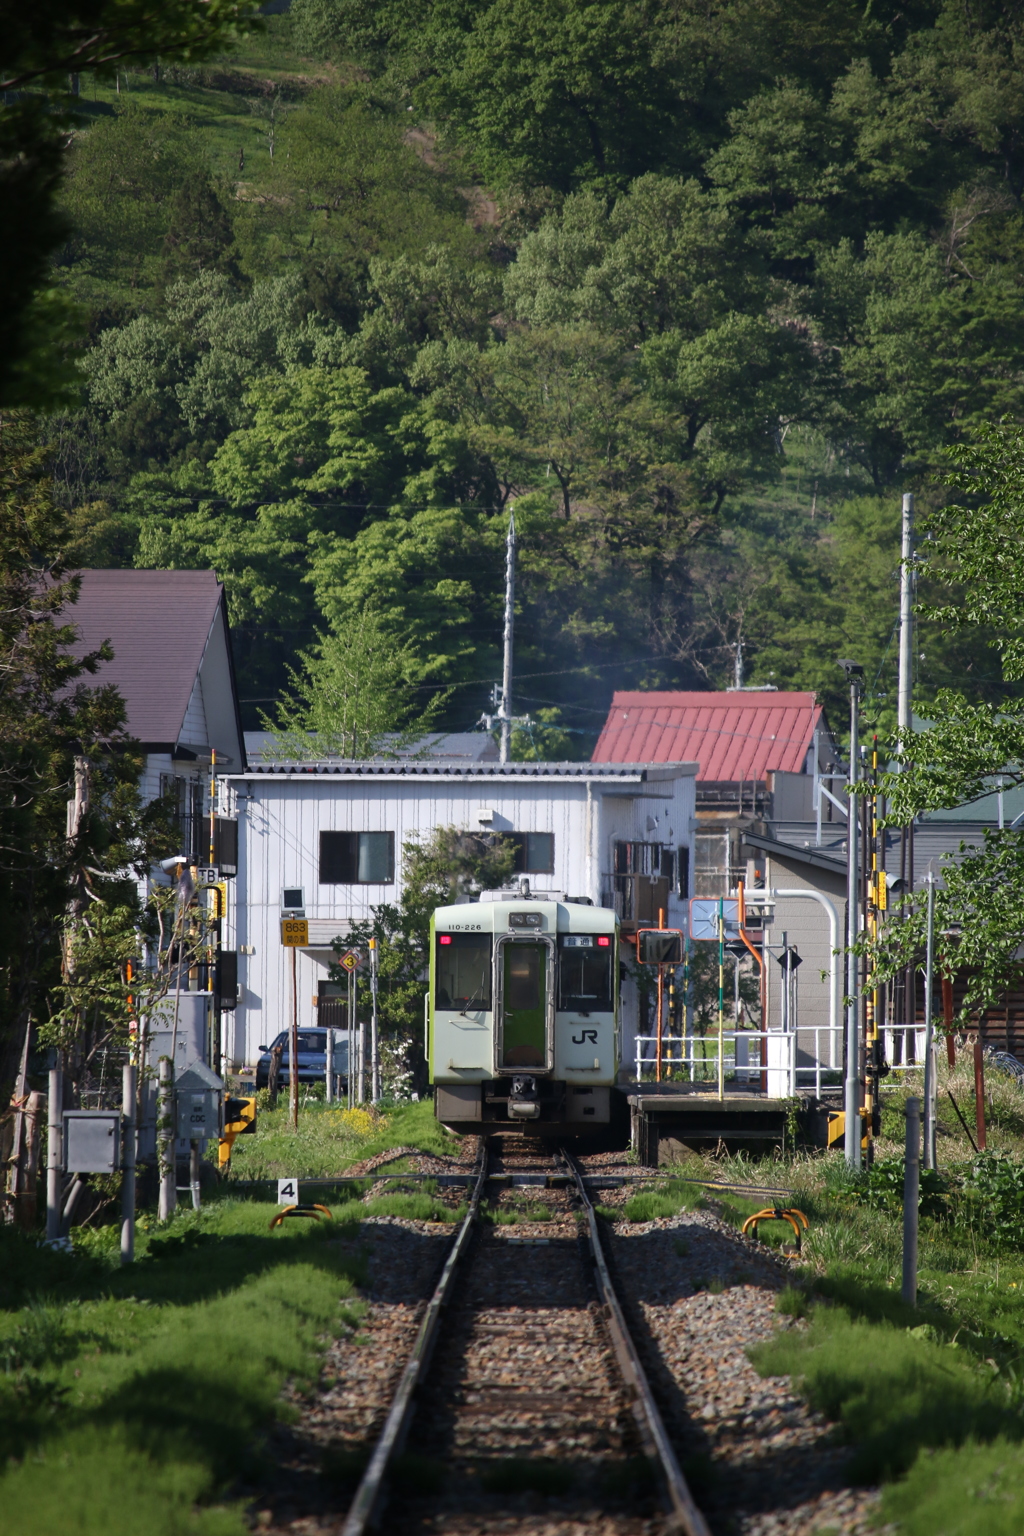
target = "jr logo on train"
x: 523, y: 1016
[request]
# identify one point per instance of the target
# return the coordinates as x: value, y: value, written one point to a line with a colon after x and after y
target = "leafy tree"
x: 345, y: 186
x: 125, y: 181
x: 199, y: 237
x: 40, y: 46
x: 956, y: 760
x: 353, y: 697
x: 51, y: 721
x: 446, y: 865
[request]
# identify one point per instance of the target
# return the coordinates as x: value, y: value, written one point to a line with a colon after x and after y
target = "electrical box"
x: 225, y: 845
x: 92, y: 1140
x: 199, y: 1094
x: 225, y: 984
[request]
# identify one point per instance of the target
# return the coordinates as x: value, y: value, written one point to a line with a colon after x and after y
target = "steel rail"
x: 366, y: 1505
x: 687, y: 1517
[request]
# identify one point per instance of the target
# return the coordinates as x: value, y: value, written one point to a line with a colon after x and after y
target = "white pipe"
x: 768, y: 895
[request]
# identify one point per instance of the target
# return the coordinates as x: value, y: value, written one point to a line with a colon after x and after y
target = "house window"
x: 711, y: 875
x: 533, y: 852
x: 357, y: 858
x: 642, y: 879
x: 185, y: 796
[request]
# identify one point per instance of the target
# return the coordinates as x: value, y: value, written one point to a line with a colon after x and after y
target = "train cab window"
x: 462, y: 977
x: 585, y: 972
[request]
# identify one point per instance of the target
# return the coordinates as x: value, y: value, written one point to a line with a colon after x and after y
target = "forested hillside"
x: 701, y: 287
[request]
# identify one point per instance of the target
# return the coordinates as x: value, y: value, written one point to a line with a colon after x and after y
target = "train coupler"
x: 523, y: 1100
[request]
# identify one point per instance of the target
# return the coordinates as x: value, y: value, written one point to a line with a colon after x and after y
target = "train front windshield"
x: 463, y: 971
x: 585, y: 973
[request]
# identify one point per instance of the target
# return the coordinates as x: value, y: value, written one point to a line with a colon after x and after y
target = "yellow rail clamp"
x: 314, y: 1212
x: 776, y: 1213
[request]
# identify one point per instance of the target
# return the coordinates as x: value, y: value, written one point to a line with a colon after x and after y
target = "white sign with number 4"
x: 287, y: 1191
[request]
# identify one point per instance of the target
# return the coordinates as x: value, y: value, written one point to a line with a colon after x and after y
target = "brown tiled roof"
x: 158, y: 623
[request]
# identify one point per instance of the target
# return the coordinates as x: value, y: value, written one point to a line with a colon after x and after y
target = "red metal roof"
x: 732, y: 736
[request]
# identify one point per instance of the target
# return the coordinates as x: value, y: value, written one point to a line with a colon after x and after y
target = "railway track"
x: 523, y: 1380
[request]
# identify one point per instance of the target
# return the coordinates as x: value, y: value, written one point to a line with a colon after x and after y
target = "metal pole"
x: 165, y: 1138
x: 329, y: 1076
x: 360, y: 1046
x: 293, y: 1050
x: 904, y: 716
x: 852, y: 1097
x: 929, y: 1044
x: 911, y: 1187
x: 506, y: 672
x: 374, y: 1041
x: 193, y: 1174
x: 54, y: 1148
x: 721, y: 998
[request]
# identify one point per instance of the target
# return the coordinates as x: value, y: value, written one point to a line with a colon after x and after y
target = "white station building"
x: 327, y: 838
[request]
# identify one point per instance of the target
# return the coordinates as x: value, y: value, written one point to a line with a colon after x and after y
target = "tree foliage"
x: 353, y: 697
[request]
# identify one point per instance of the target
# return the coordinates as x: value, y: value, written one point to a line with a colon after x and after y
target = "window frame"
x: 521, y: 847
x: 332, y: 861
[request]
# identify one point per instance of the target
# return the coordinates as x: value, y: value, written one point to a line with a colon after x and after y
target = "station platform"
x: 694, y: 1116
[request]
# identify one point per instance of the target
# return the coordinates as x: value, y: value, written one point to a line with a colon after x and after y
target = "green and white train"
x: 523, y: 1016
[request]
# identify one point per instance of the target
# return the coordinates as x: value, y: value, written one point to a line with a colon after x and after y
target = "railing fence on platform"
x: 695, y: 1057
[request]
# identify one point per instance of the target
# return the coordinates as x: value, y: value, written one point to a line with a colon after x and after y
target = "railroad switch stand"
x: 314, y: 1212
x: 797, y: 1220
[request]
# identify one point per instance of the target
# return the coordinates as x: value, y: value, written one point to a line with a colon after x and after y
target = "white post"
x: 506, y: 673
x: 54, y: 1149
x: 374, y: 1040
x: 329, y: 1079
x: 165, y: 1129
x: 929, y: 1037
x: 128, y: 1173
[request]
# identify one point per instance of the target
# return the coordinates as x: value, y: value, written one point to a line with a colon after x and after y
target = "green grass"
x: 133, y: 1398
x: 509, y: 1215
x: 325, y: 1144
x: 893, y: 1390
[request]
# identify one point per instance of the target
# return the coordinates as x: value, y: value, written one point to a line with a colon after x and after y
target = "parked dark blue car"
x: 312, y: 1059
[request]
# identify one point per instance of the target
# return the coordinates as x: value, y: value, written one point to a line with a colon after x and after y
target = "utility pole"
x: 905, y: 715
x: 737, y: 665
x: 506, y: 674
x: 855, y: 674
x: 905, y: 724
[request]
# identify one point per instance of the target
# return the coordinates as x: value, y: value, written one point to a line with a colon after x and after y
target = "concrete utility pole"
x: 506, y: 675
x: 905, y: 714
x: 851, y: 1145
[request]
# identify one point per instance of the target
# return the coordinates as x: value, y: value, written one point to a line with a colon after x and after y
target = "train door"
x: 525, y: 1035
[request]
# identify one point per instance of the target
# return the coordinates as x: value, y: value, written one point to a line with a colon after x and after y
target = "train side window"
x: 585, y: 973
x: 462, y: 975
